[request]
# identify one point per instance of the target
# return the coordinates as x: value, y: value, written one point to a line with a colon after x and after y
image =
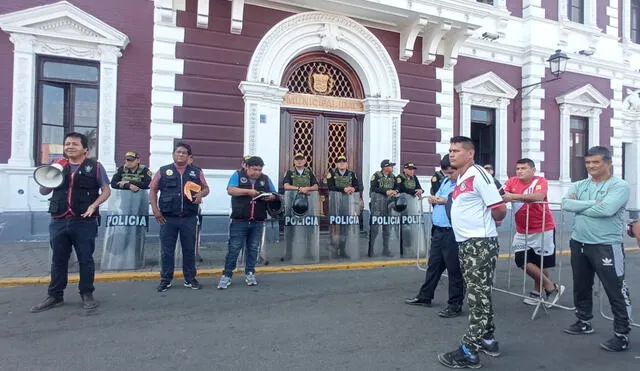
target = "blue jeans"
x: 241, y: 232
x: 185, y: 227
x: 67, y: 234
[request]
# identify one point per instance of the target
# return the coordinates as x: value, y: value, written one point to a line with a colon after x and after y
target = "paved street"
x: 342, y: 320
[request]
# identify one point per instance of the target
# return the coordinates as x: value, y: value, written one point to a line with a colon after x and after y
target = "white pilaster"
x: 532, y: 113
x: 445, y: 99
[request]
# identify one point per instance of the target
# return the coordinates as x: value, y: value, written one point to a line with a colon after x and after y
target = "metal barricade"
x: 427, y: 226
x: 529, y: 243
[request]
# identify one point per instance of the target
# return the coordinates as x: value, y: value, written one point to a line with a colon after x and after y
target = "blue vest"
x: 172, y: 201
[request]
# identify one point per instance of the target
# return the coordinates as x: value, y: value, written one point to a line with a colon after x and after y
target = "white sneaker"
x: 554, y: 295
x: 250, y: 279
x: 533, y: 299
x: 224, y: 282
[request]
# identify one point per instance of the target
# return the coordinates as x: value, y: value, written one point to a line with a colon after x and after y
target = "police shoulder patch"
x: 169, y: 172
x: 329, y: 175
x: 149, y: 173
x: 399, y: 180
x: 434, y: 179
x: 373, y: 177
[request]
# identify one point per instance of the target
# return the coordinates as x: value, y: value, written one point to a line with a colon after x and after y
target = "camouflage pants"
x: 478, y: 263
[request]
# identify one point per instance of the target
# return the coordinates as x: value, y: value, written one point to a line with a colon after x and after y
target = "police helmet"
x: 274, y: 207
x: 300, y: 205
x: 399, y: 204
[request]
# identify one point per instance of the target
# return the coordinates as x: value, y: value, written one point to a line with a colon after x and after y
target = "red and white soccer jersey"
x: 473, y: 198
x: 537, y: 185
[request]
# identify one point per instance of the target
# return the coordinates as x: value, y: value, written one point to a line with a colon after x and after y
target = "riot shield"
x: 384, y: 233
x: 302, y: 232
x: 125, y: 230
x: 344, y: 225
x: 413, y: 240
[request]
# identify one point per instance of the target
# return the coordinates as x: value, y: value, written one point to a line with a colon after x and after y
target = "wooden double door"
x: 322, y: 137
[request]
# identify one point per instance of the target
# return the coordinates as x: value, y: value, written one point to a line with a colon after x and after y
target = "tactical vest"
x: 409, y: 183
x: 343, y: 181
x: 242, y: 207
x: 135, y: 176
x: 84, y: 190
x: 385, y: 183
x: 301, y: 180
x: 172, y: 201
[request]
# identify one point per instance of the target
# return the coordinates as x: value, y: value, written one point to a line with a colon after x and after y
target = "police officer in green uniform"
x: 132, y: 175
x: 300, y: 178
x: 407, y: 182
x: 382, y: 187
x: 344, y: 204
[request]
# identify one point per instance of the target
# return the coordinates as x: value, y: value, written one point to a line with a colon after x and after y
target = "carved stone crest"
x: 320, y: 82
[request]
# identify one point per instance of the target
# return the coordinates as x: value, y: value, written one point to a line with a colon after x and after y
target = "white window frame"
x: 61, y: 30
x: 490, y: 91
x: 590, y: 12
x: 587, y: 102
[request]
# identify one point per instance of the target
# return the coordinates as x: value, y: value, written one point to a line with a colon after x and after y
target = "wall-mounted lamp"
x: 490, y: 36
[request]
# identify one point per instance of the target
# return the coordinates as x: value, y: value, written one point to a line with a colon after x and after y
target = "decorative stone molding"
x: 237, y: 16
x: 202, y: 16
x: 61, y: 30
x: 488, y: 90
x: 408, y: 36
x: 445, y: 99
x: 347, y: 39
x: 588, y: 102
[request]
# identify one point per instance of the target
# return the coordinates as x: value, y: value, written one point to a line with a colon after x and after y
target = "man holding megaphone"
x: 79, y: 185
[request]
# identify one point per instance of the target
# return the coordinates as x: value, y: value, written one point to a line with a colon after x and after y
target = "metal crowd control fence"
x: 427, y: 225
x: 529, y: 243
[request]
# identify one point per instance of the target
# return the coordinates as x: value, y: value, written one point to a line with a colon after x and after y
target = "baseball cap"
x: 299, y: 155
x: 386, y: 163
x: 341, y: 159
x: 131, y: 155
x: 410, y: 165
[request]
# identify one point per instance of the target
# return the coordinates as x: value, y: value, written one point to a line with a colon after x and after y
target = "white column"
x: 632, y: 175
x: 532, y: 8
x: 108, y: 96
x: 532, y: 113
x: 445, y: 99
x: 613, y: 14
x: 465, y: 114
x: 23, y: 109
x: 502, y: 127
x: 262, y: 103
x: 565, y: 128
x: 617, y: 127
x: 594, y: 127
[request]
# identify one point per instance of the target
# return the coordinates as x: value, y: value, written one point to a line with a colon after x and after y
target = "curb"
x: 211, y: 272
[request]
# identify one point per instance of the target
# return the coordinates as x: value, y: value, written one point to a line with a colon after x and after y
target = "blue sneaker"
x: 460, y: 359
x: 224, y: 282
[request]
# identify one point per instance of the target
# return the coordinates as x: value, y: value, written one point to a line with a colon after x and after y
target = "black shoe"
x: 579, y: 328
x: 618, y: 343
x: 88, y: 303
x: 193, y: 284
x: 163, y: 286
x: 491, y: 349
x: 418, y: 301
x: 450, y: 312
x: 46, y: 304
x: 459, y: 359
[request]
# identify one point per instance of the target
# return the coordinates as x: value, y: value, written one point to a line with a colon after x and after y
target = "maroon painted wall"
x: 133, y: 18
x: 550, y: 9
x: 216, y: 62
x: 620, y: 15
x: 515, y: 7
x: 468, y: 68
x: 551, y: 123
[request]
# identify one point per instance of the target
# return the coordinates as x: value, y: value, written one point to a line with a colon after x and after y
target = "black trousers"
x: 64, y: 236
x: 443, y: 255
x: 607, y: 261
x: 184, y: 227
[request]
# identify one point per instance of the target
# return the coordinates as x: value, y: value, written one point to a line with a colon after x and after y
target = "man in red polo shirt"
x: 532, y: 237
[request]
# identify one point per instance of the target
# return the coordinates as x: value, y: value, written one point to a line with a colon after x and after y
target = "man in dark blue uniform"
x: 177, y: 212
x: 74, y: 220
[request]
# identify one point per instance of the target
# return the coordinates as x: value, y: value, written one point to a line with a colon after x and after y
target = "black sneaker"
x: 418, y: 301
x: 88, y: 303
x: 46, y: 304
x: 193, y: 284
x: 490, y: 348
x: 618, y: 343
x: 163, y: 286
x: 459, y: 359
x: 579, y: 328
x: 450, y: 312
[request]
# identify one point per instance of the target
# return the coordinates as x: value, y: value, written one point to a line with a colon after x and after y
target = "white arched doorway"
x: 345, y: 38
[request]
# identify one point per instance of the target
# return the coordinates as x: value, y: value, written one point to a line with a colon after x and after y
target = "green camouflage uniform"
x: 478, y: 263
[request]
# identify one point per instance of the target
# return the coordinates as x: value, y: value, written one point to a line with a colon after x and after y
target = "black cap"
x: 410, y: 165
x: 386, y: 163
x: 131, y: 155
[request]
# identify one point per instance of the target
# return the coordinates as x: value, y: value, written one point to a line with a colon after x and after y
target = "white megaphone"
x: 49, y: 176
